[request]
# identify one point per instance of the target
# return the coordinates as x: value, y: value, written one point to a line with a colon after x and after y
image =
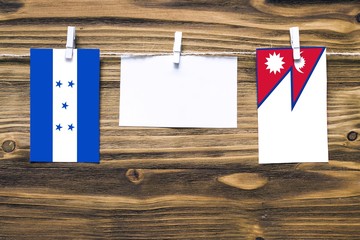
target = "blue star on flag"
x: 71, y: 127
x: 71, y: 84
x: 58, y: 127
x: 58, y: 84
x: 65, y: 105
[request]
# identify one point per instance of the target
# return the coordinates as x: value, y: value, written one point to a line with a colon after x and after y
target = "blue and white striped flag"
x: 64, y: 106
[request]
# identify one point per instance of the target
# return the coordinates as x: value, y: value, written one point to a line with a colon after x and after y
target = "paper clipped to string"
x: 64, y: 105
x: 199, y: 92
x: 292, y: 112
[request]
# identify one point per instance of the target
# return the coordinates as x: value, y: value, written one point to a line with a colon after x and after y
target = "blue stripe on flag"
x: 88, y: 105
x: 41, y: 75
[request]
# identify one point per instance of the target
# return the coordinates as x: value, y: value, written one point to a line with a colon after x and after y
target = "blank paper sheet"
x: 200, y: 92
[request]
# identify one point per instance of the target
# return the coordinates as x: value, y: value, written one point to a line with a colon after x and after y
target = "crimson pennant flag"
x: 291, y: 99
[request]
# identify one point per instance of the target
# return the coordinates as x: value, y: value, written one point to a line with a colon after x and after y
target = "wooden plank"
x: 186, y: 147
x: 180, y: 183
x: 149, y: 25
x: 85, y: 201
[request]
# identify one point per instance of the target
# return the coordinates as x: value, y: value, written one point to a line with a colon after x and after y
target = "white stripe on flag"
x: 64, y: 107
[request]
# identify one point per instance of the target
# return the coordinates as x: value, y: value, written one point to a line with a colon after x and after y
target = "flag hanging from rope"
x: 64, y: 106
x: 291, y: 99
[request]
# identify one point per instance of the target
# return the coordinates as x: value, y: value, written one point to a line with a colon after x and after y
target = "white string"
x: 14, y: 55
x: 128, y: 54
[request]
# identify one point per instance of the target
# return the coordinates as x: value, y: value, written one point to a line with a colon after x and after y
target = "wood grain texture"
x: 165, y: 183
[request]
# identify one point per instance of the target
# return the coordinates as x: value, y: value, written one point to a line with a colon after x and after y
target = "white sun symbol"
x: 274, y: 63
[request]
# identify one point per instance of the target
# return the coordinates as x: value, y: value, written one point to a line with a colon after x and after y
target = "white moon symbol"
x: 299, y: 64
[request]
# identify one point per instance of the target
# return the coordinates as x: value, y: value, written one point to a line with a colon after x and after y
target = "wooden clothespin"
x: 70, y: 42
x: 177, y: 47
x: 295, y: 42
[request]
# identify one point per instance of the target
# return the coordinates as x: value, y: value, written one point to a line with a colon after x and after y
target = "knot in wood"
x: 8, y: 146
x: 358, y: 18
x: 10, y: 6
x: 259, y: 238
x: 135, y: 176
x: 352, y: 136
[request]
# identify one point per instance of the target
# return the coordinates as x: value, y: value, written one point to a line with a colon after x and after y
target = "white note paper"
x: 200, y: 92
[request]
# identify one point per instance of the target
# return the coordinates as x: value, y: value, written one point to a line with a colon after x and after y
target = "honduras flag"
x: 64, y: 106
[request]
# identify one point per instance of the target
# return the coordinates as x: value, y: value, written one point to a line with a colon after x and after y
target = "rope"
x: 127, y: 54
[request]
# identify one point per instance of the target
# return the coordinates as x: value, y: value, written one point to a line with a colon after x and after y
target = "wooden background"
x: 180, y: 183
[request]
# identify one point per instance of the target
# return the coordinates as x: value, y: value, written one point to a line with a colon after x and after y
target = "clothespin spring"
x: 70, y: 42
x: 177, y: 47
x: 295, y: 42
